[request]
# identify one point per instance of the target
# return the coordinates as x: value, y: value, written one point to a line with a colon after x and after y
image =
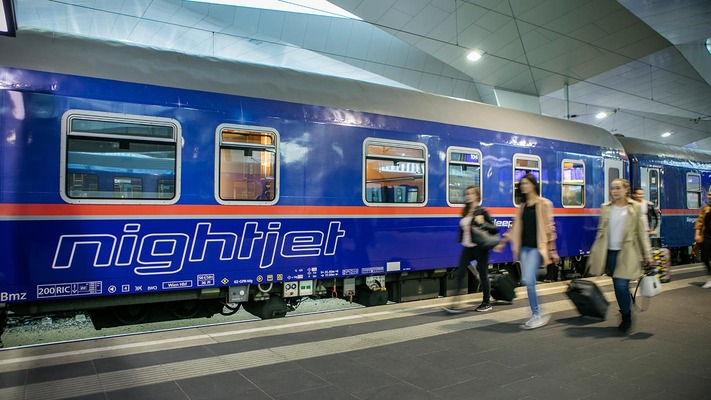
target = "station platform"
x: 397, y: 351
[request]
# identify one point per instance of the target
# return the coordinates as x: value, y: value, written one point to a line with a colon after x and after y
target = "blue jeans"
x: 530, y: 260
x: 622, y: 286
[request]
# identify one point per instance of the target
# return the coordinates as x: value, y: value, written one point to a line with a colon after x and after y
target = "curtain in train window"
x: 463, y: 170
x: 247, y: 165
x: 693, y: 191
x: 113, y: 158
x: 573, y: 184
x: 394, y: 172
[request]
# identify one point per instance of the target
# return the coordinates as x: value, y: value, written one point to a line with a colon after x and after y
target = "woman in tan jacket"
x: 702, y: 235
x: 532, y: 238
x: 621, y: 244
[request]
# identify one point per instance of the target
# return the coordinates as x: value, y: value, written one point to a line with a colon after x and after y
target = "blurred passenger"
x: 703, y: 235
x: 621, y: 222
x: 651, y: 214
x: 473, y: 216
x: 532, y: 238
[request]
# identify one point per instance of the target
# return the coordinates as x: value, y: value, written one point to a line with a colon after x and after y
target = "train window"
x: 108, y: 158
x: 525, y: 164
x: 693, y: 190
x: 247, y: 169
x: 394, y: 173
x: 653, y: 186
x: 463, y: 170
x: 573, y: 184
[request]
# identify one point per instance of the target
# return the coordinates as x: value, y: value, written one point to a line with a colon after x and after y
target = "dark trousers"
x: 468, y: 255
x: 706, y: 253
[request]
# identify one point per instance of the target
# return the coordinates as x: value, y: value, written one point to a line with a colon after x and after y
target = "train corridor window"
x: 463, y: 170
x: 109, y: 158
x: 525, y: 164
x: 247, y: 165
x: 394, y: 173
x: 573, y: 184
x: 693, y: 190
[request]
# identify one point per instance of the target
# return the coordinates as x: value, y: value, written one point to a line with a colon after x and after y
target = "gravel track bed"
x: 39, y: 330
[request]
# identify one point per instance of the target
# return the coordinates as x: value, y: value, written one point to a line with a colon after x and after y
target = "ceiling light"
x: 708, y: 45
x: 601, y: 115
x: 474, y: 55
x: 666, y: 134
x: 311, y: 7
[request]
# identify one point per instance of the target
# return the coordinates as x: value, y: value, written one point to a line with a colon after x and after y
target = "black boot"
x: 626, y: 322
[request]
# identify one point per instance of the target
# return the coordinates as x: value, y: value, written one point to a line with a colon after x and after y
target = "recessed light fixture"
x: 708, y: 45
x: 474, y: 55
x: 601, y: 115
x: 666, y: 134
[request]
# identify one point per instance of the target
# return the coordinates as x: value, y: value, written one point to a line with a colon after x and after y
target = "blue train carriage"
x: 178, y: 186
x: 676, y: 180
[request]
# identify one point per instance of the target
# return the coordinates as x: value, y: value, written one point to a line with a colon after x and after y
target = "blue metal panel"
x: 74, y: 255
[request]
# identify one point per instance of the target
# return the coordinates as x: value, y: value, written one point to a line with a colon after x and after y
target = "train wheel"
x: 184, y: 309
x: 128, y: 315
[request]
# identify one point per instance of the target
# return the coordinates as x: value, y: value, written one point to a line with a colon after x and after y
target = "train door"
x: 613, y: 170
x: 649, y: 179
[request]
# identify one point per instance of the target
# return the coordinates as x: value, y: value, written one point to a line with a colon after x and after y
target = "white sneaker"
x: 536, y: 321
x: 707, y: 285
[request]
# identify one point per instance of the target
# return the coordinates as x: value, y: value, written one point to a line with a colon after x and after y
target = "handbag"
x: 484, y: 239
x: 696, y: 249
x: 650, y: 286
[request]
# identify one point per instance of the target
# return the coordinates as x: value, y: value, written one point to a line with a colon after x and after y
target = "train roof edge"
x: 663, y: 150
x: 74, y: 55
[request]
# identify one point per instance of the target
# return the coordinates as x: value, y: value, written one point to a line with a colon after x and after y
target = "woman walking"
x: 621, y: 244
x: 702, y: 235
x: 532, y: 238
x: 473, y: 216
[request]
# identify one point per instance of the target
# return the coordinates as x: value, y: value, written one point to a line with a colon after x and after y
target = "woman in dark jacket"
x: 473, y: 216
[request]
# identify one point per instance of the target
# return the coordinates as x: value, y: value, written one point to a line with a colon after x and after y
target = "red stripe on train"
x: 255, y: 210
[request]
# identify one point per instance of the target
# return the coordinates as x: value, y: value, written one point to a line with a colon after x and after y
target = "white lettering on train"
x: 165, y: 253
x: 5, y: 296
x: 503, y: 223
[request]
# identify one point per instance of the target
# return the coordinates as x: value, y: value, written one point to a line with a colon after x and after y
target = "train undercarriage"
x: 276, y: 299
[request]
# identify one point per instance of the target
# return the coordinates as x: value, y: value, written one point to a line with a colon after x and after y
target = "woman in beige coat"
x: 621, y: 244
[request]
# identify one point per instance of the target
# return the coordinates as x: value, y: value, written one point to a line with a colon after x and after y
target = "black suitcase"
x: 502, y: 288
x: 588, y: 298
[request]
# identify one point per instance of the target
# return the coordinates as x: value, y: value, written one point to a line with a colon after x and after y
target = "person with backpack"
x: 474, y: 218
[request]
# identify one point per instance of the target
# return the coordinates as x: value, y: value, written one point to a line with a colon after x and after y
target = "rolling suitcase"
x: 661, y: 263
x: 502, y: 288
x: 588, y: 298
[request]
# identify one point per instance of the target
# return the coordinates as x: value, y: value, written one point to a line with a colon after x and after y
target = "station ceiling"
x: 643, y: 62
